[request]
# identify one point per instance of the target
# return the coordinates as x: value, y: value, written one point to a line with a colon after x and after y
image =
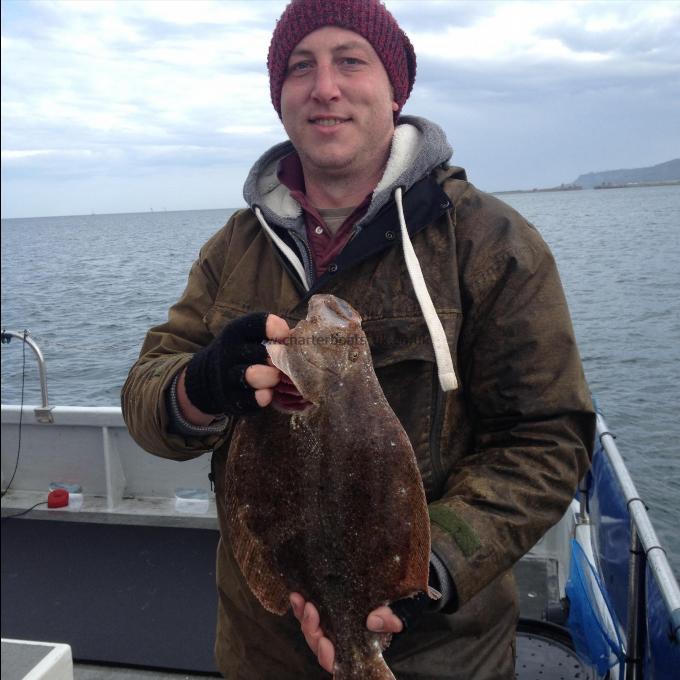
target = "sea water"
x: 88, y: 288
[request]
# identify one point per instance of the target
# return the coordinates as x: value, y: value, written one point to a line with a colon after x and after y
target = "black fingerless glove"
x: 215, y: 377
x: 409, y: 609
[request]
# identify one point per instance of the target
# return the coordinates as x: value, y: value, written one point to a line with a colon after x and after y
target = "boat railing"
x: 89, y: 448
x: 646, y: 558
x: 43, y: 413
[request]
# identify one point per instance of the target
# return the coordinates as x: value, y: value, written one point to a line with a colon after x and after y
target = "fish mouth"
x: 288, y: 398
x: 292, y: 408
x: 277, y: 355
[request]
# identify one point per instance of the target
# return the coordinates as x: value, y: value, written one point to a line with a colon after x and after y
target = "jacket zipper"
x: 287, y: 267
x: 310, y: 260
x: 437, y: 420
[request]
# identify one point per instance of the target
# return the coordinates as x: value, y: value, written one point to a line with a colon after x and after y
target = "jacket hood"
x: 418, y: 147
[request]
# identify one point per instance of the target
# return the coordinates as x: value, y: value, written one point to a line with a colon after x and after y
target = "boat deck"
x: 123, y: 571
x: 86, y: 671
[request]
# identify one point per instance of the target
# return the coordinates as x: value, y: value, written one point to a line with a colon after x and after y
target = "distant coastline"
x: 662, y: 174
x: 632, y: 185
x: 562, y: 187
x: 606, y: 185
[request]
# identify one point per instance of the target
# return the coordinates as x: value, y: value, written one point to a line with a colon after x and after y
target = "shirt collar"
x: 291, y: 175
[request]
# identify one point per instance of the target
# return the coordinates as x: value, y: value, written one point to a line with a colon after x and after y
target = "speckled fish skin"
x: 329, y: 502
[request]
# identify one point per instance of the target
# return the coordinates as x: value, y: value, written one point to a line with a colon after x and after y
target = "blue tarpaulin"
x: 596, y: 642
x: 610, y: 523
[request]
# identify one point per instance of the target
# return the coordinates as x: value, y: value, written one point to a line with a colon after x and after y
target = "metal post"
x: 43, y: 414
x: 635, y: 607
x: 115, y: 476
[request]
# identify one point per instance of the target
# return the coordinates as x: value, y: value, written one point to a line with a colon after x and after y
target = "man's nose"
x: 325, y: 84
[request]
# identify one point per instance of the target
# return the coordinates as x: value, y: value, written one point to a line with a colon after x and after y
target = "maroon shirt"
x: 324, y: 244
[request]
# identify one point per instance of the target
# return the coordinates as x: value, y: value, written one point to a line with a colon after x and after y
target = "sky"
x: 131, y: 106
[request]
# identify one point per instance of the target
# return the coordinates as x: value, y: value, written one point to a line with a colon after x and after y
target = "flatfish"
x: 328, y: 502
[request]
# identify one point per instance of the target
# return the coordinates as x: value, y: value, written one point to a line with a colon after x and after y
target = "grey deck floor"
x: 83, y: 671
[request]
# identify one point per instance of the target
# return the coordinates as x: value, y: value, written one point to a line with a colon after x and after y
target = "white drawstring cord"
x: 284, y: 248
x: 442, y: 354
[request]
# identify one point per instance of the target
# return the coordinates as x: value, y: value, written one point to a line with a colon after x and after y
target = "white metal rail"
x: 645, y: 546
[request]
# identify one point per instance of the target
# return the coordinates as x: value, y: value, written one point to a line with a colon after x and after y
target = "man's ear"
x: 395, y: 106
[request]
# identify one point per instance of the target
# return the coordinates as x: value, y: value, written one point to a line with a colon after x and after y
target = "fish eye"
x: 353, y: 355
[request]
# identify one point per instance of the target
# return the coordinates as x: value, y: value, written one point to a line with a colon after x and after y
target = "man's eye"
x: 299, y: 67
x: 351, y: 61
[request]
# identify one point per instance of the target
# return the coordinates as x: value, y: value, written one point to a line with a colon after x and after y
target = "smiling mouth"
x: 328, y: 122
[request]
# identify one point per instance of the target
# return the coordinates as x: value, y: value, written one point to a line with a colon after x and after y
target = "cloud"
x: 530, y: 94
x: 524, y: 48
x: 435, y: 15
x: 131, y: 89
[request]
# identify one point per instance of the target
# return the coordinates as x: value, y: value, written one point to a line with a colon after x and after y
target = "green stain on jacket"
x: 449, y: 521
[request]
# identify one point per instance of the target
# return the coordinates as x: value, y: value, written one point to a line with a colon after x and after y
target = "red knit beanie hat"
x: 369, y: 18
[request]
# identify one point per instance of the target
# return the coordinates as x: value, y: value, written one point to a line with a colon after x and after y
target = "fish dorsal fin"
x: 253, y: 556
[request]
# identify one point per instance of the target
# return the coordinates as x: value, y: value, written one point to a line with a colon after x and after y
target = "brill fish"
x: 328, y: 501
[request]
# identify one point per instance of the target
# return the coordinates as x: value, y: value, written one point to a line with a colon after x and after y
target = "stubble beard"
x: 347, y: 167
x: 328, y: 165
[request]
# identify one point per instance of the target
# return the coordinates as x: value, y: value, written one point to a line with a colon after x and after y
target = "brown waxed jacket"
x: 500, y: 457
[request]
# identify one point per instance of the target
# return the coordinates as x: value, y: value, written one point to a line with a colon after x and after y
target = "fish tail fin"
x: 374, y: 668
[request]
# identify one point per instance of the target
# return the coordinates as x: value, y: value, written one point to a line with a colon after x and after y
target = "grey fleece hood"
x: 418, y: 147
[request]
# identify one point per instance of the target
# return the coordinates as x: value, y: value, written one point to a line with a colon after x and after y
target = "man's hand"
x: 231, y: 376
x: 380, y: 620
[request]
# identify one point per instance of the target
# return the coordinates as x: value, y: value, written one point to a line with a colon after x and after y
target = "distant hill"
x: 663, y: 172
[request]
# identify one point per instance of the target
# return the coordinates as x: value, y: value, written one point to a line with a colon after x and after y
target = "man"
x: 469, y: 331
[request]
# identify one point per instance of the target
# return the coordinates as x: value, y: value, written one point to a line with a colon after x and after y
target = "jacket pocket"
x: 404, y: 361
x: 219, y: 315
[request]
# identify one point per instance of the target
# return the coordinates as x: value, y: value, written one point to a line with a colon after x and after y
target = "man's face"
x: 337, y: 103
